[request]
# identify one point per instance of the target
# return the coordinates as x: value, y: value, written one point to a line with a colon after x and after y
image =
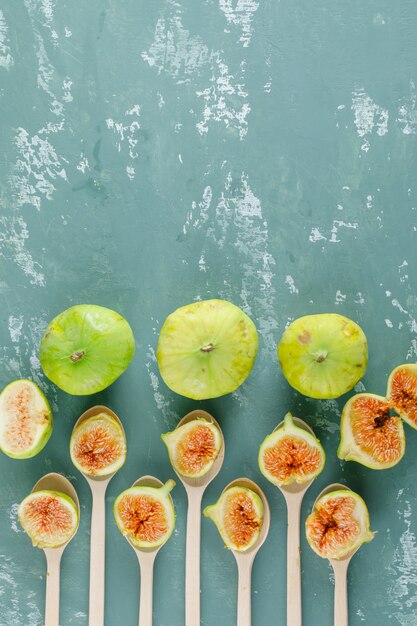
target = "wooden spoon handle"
x: 340, y: 593
x: 97, y: 555
x: 192, y: 559
x: 146, y: 591
x: 53, y: 561
x: 244, y: 603
x: 294, y: 601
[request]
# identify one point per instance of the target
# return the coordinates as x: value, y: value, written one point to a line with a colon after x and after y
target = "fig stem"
x: 207, y: 348
x: 320, y: 357
x: 76, y: 356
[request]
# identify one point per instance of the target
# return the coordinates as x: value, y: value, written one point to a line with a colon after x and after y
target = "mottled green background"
x: 155, y: 152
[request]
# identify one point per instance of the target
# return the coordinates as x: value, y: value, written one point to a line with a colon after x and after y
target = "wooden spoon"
x: 98, y: 486
x: 195, y: 488
x: 55, y: 482
x: 146, y: 558
x: 244, y: 560
x: 340, y: 568
x: 294, y: 495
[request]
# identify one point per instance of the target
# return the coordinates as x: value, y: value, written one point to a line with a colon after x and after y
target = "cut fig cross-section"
x: 291, y: 455
x: 145, y: 515
x: 98, y: 445
x: 402, y: 392
x: 323, y: 355
x: 370, y: 434
x: 193, y: 447
x: 238, y: 515
x: 50, y: 518
x: 338, y: 524
x: 26, y: 420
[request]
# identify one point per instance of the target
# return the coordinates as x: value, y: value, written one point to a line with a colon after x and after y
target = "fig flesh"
x: 98, y: 445
x: 238, y: 515
x: 206, y: 349
x: 338, y: 524
x: 50, y: 518
x: 193, y: 447
x: 291, y: 455
x: 323, y: 355
x: 402, y: 392
x: 26, y: 420
x: 145, y: 515
x: 370, y: 435
x: 85, y: 348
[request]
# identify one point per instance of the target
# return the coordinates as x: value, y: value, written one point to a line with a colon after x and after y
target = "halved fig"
x: 25, y: 419
x: 98, y: 445
x: 323, y: 355
x: 370, y: 435
x: 50, y: 518
x: 193, y: 447
x: 402, y: 392
x: 338, y: 524
x: 238, y: 515
x: 146, y: 515
x: 291, y: 455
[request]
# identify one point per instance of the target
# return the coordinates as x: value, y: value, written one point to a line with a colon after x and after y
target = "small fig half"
x: 193, y: 447
x: 25, y: 419
x: 338, y: 524
x: 50, y: 518
x: 98, y: 445
x: 402, y: 392
x: 238, y: 515
x: 370, y: 435
x: 323, y: 355
x: 291, y: 455
x: 146, y: 515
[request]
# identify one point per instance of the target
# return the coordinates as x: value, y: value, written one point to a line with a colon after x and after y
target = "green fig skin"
x: 86, y: 348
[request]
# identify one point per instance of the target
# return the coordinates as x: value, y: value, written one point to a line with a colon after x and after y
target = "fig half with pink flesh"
x: 26, y: 420
x: 50, y: 518
x: 402, y: 392
x: 338, y: 524
x: 370, y: 434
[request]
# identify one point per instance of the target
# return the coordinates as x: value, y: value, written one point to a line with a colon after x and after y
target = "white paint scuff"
x: 37, y: 166
x: 240, y: 13
x: 332, y: 237
x: 127, y: 133
x: 225, y: 100
x: 403, y: 590
x: 289, y: 281
x: 13, y: 236
x: 6, y: 59
x: 369, y: 117
x: 407, y: 112
x: 174, y: 51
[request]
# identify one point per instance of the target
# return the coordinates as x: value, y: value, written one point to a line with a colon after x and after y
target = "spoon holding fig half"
x: 98, y: 451
x: 50, y: 515
x: 196, y: 450
x: 336, y: 528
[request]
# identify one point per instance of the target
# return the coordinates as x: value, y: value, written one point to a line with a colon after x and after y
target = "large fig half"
x: 193, y: 447
x: 291, y: 455
x: 323, y: 355
x: 206, y: 349
x: 238, y: 515
x: 402, y: 392
x: 338, y: 524
x: 146, y: 514
x: 25, y: 419
x: 370, y: 435
x: 50, y: 518
x: 98, y: 445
